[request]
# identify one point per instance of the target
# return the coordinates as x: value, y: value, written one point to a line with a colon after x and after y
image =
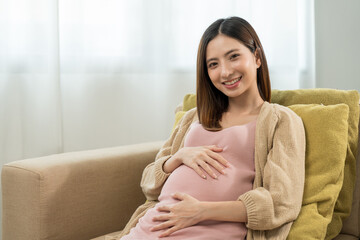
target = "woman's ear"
x: 257, y: 57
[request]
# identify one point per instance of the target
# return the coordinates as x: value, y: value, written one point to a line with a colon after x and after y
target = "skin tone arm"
x: 232, y: 211
x: 189, y: 211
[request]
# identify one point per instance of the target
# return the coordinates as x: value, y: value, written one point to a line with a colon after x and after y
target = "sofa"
x: 92, y: 194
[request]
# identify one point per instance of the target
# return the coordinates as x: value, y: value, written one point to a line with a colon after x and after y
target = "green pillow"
x: 331, y: 97
x: 178, y: 117
x: 326, y: 130
x: 189, y: 102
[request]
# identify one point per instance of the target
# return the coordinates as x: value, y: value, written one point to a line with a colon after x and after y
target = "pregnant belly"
x: 227, y: 187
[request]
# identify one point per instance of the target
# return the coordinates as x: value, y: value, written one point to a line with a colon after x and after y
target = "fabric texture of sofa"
x: 91, y: 194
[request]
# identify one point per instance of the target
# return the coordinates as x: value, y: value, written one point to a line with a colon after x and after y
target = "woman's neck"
x: 245, y: 106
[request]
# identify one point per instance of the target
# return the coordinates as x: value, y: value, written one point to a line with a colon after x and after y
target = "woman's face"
x: 231, y: 66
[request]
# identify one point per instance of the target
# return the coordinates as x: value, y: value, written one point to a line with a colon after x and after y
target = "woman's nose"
x: 226, y: 70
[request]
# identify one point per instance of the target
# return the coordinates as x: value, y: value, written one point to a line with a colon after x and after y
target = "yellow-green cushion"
x: 331, y: 97
x: 178, y: 116
x: 189, y: 102
x: 326, y: 130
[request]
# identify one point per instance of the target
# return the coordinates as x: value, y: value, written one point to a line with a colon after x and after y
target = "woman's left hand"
x: 183, y: 214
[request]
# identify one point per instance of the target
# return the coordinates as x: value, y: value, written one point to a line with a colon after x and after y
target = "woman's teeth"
x: 232, y: 82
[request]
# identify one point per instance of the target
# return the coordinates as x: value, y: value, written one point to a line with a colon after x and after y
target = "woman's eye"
x: 211, y: 65
x: 234, y: 56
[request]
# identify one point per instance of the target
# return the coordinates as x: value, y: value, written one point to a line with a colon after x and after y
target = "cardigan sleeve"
x: 154, y: 177
x: 279, y: 199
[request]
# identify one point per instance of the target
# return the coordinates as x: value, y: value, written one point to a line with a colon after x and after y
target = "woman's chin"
x: 232, y: 94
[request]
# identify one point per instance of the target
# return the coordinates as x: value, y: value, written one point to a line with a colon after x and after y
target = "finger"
x: 160, y: 226
x: 215, y: 164
x: 214, y: 148
x: 207, y: 169
x: 162, y: 217
x: 179, y: 196
x: 198, y: 170
x: 169, y: 231
x: 164, y: 208
x: 219, y: 158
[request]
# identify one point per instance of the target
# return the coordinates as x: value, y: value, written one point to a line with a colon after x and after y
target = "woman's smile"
x: 232, y: 83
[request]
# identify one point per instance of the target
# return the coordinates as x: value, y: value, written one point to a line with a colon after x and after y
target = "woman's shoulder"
x: 274, y: 117
x: 189, y: 117
x: 279, y: 112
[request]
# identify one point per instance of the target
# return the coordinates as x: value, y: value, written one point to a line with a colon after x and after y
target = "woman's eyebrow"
x: 230, y: 51
x: 210, y: 59
x: 227, y: 53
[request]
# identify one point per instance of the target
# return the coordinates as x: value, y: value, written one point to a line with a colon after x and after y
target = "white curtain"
x: 85, y: 74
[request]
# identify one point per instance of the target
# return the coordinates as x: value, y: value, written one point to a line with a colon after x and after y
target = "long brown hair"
x: 212, y: 103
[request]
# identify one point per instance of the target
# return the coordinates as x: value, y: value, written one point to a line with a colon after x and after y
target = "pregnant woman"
x: 234, y: 166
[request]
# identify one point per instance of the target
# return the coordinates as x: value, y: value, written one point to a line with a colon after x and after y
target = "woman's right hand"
x: 199, y: 159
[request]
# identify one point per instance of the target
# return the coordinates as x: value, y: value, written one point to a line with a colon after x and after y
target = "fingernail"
x: 214, y: 175
x: 204, y: 176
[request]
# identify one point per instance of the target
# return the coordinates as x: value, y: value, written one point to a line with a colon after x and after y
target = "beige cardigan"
x: 275, y: 201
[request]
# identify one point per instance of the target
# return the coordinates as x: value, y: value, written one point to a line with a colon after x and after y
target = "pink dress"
x: 238, y: 143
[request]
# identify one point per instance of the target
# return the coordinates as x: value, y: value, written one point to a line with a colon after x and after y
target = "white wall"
x: 337, y: 44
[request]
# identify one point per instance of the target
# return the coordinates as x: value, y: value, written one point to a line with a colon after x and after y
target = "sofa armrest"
x: 76, y: 195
